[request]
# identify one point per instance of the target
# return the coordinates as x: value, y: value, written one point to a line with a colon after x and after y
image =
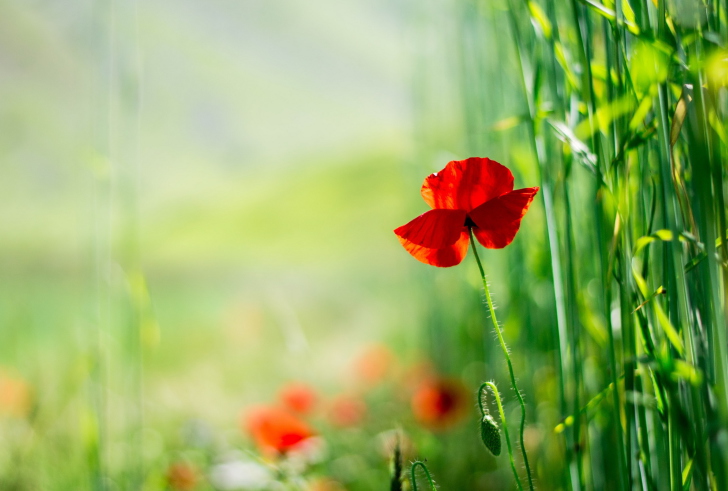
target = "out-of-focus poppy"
x: 298, y: 397
x: 474, y: 193
x: 276, y: 430
x: 414, y: 374
x: 373, y: 364
x: 347, y: 410
x: 15, y: 395
x: 181, y: 477
x: 439, y: 403
x: 324, y: 484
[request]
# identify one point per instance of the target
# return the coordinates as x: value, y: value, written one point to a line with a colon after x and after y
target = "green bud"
x: 490, y: 433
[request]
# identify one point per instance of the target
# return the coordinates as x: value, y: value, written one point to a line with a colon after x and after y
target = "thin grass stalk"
x: 136, y: 306
x: 718, y: 274
x: 629, y: 343
x: 98, y: 451
x: 668, y: 212
x: 556, y: 83
x: 580, y: 449
x: 703, y: 157
x: 618, y: 174
x: 576, y: 348
x: 694, y: 332
x: 507, y: 356
x: 621, y: 175
x: 551, y: 227
x: 587, y: 94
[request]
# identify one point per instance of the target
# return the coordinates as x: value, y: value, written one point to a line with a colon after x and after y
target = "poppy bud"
x: 490, y: 433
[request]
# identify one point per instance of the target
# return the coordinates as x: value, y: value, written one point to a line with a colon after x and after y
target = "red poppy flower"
x: 474, y: 193
x: 346, y: 410
x: 440, y: 402
x: 298, y: 397
x: 275, y: 430
x: 373, y: 365
x: 15, y: 395
x: 324, y: 484
x: 181, y: 477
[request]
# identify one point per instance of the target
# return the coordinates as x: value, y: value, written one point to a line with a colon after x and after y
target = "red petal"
x: 276, y: 429
x: 499, y: 219
x: 466, y: 184
x: 434, y: 229
x: 443, y: 257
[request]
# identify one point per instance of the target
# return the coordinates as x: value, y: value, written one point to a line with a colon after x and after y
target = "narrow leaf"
x: 677, y: 120
x: 508, y: 123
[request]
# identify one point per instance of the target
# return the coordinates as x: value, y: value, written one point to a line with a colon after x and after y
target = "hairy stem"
x: 419, y: 463
x: 502, y: 413
x: 507, y: 356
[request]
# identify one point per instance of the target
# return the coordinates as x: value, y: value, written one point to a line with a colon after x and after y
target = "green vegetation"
x: 198, y: 205
x: 618, y: 108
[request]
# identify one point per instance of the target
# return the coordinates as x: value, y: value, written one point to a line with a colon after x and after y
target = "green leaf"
x: 687, y: 475
x: 578, y: 147
x: 677, y: 120
x: 641, y: 112
x: 627, y: 12
x: 663, y: 235
x: 669, y: 329
x: 685, y: 371
x: 560, y: 53
x: 610, y: 15
x: 508, y: 123
x: 541, y: 19
x: 658, y: 393
x: 648, y: 66
x: 660, y: 290
x: 605, y: 114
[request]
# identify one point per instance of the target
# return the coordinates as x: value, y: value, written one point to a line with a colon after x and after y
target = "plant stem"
x: 427, y: 474
x: 507, y: 356
x: 483, y: 412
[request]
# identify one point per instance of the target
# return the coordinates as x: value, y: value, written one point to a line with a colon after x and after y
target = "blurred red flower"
x: 346, y: 410
x: 15, y: 395
x: 439, y: 403
x: 298, y: 397
x: 275, y: 430
x: 373, y: 364
x: 324, y: 484
x: 474, y: 193
x: 181, y: 477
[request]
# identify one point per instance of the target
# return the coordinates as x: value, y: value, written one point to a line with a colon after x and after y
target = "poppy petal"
x: 466, y: 184
x: 498, y: 220
x: 434, y: 229
x: 442, y: 257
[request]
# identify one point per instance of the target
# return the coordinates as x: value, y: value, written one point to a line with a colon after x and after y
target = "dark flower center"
x: 469, y: 221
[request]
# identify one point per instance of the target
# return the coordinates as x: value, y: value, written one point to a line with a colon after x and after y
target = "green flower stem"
x: 427, y: 474
x: 484, y: 411
x: 507, y: 355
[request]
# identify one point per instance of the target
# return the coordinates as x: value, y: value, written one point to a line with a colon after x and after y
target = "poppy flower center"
x: 469, y: 221
x: 446, y: 402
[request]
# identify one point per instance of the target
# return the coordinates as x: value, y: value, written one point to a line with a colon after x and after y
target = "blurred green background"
x: 197, y: 205
x: 216, y: 179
